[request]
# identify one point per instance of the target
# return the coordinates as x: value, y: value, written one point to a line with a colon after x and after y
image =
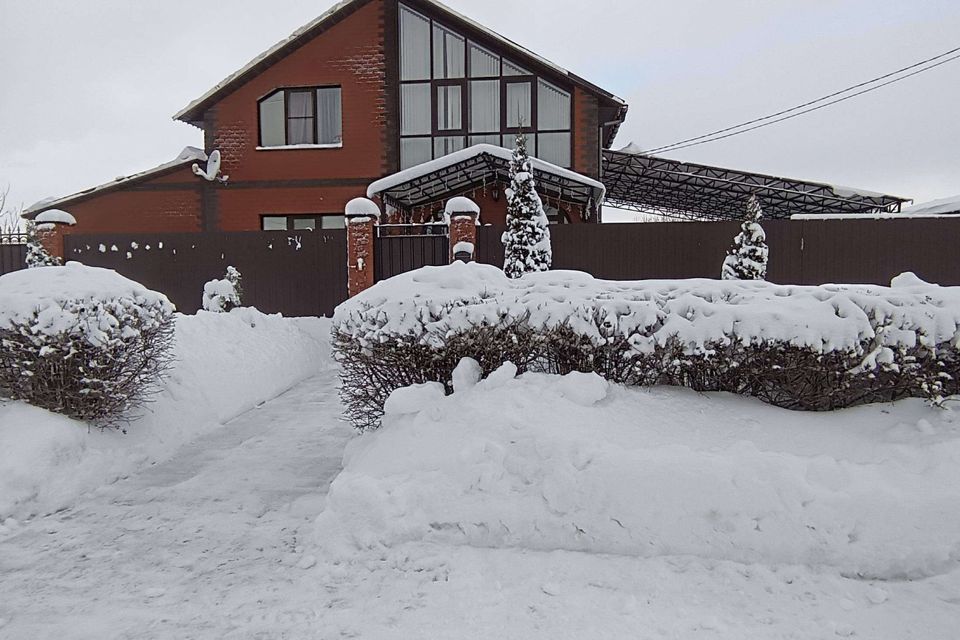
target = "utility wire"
x: 690, y: 142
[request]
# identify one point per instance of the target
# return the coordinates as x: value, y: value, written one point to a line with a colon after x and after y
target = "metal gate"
x: 13, y: 252
x: 404, y: 247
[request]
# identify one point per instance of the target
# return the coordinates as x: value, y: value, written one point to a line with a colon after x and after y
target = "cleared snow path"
x: 208, y: 544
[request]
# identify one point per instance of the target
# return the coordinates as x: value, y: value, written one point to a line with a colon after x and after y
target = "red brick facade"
x: 356, y: 50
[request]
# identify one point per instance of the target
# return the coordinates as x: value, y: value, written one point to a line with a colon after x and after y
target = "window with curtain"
x: 449, y: 108
x: 518, y: 104
x: 302, y: 116
x: 448, y: 56
x: 414, y: 45
x: 483, y: 64
x: 484, y: 106
x: 553, y: 107
x: 329, y: 116
x: 456, y: 92
x: 415, y: 109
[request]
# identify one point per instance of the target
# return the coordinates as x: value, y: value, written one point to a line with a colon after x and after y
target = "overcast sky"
x: 88, y: 87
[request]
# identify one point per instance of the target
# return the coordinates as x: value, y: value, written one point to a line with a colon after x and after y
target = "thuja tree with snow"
x: 747, y: 260
x: 37, y: 255
x: 526, y: 241
x: 221, y: 296
x: 82, y: 341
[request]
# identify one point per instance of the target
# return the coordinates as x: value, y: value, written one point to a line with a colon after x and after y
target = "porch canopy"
x: 685, y: 190
x: 475, y: 167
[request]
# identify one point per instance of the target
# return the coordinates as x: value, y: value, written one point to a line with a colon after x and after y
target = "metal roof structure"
x: 476, y: 167
x: 689, y: 191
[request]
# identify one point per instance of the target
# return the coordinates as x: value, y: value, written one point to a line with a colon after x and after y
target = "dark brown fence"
x: 294, y: 273
x: 13, y: 252
x: 304, y: 273
x: 801, y: 251
x: 397, y: 254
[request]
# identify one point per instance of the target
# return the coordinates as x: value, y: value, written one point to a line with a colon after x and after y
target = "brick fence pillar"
x: 362, y: 216
x: 51, y: 237
x: 463, y: 215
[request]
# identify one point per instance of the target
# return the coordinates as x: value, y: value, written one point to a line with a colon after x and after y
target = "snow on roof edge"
x: 420, y: 170
x: 297, y: 33
x: 189, y: 154
x: 948, y: 205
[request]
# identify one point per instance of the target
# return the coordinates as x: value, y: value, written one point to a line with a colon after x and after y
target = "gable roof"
x: 189, y: 155
x: 193, y: 112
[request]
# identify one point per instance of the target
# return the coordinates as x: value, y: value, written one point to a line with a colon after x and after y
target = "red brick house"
x: 369, y: 88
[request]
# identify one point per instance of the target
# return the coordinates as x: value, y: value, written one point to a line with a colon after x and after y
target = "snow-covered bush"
x: 808, y: 348
x: 221, y: 296
x: 37, y: 254
x: 526, y: 242
x: 82, y: 341
x: 747, y: 259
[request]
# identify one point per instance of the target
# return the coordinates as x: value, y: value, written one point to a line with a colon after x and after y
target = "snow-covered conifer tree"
x: 747, y: 259
x: 37, y: 255
x: 220, y: 296
x: 526, y: 241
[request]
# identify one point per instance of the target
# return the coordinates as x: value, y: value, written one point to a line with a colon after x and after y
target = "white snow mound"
x: 546, y: 463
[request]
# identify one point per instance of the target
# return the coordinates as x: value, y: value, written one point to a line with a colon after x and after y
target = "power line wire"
x: 689, y: 142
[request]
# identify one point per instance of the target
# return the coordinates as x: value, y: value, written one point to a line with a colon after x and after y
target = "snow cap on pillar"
x: 461, y: 206
x: 361, y: 210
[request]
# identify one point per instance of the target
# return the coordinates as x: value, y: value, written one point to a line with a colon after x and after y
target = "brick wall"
x: 586, y: 137
x: 350, y: 53
x: 169, y: 202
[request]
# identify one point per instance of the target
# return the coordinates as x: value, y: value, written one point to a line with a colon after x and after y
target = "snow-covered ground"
x: 532, y: 507
x: 548, y: 507
x: 536, y: 507
x: 225, y: 365
x: 208, y: 544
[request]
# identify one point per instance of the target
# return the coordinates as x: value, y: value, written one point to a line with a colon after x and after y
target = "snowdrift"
x: 225, y: 364
x: 545, y: 463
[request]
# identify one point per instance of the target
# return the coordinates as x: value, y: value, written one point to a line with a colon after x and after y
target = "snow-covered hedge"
x: 810, y: 348
x: 82, y: 341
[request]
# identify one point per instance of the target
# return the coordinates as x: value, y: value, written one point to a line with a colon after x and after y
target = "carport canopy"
x: 689, y: 191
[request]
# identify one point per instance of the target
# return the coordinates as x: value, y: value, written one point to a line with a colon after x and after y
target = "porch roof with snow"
x: 474, y: 167
x: 685, y: 190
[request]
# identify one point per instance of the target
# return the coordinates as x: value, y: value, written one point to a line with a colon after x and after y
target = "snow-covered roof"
x: 187, y: 156
x: 477, y: 150
x: 949, y: 205
x: 193, y: 111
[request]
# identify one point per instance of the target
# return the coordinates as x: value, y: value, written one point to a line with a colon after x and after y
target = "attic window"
x: 310, y: 116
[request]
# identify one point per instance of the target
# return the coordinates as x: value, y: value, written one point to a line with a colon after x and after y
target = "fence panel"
x: 13, y: 252
x: 801, y: 251
x: 394, y: 254
x: 294, y: 273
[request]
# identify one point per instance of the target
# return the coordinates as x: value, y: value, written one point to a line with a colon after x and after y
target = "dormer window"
x: 301, y: 117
